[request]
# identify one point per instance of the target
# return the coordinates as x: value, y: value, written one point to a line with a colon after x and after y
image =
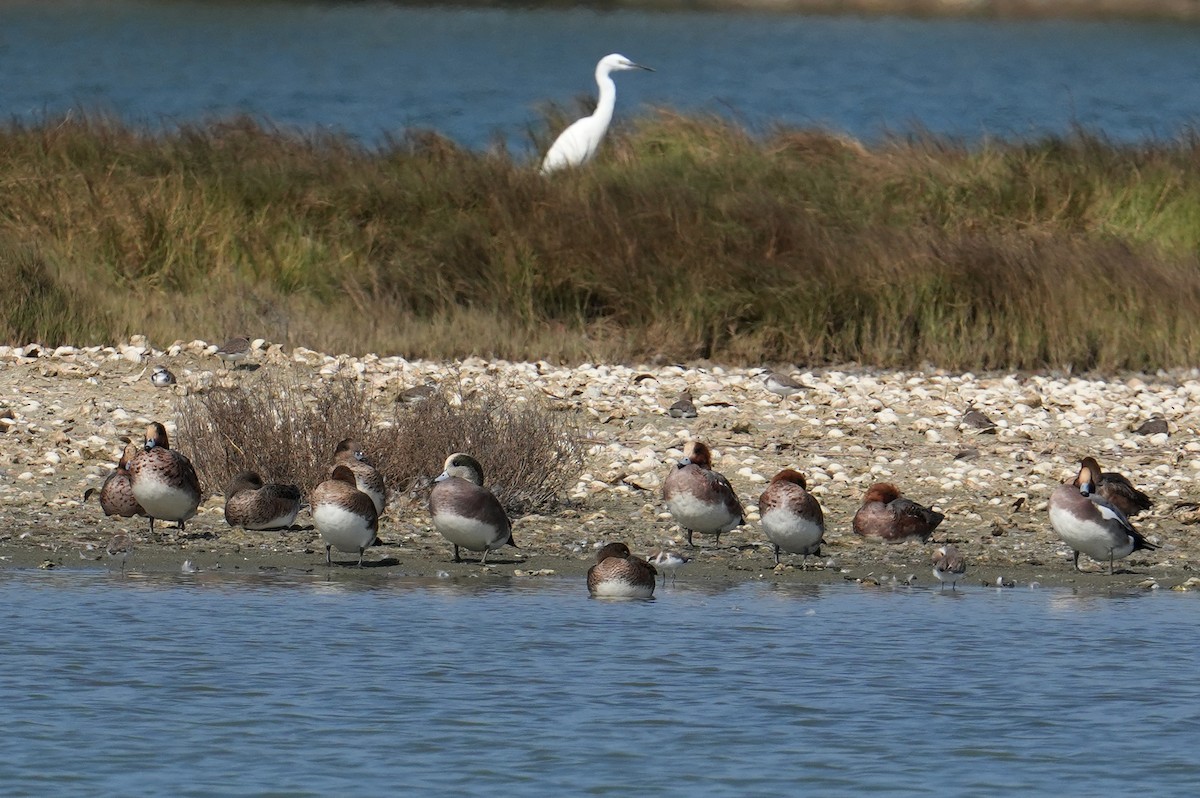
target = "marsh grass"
x: 689, y: 237
x: 287, y: 433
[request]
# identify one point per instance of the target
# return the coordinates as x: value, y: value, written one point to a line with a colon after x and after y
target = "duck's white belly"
x: 791, y: 532
x: 467, y: 532
x: 164, y: 502
x: 619, y: 588
x: 342, y: 529
x: 701, y: 516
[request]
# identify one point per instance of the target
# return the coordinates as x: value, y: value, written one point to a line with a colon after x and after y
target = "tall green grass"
x: 687, y: 238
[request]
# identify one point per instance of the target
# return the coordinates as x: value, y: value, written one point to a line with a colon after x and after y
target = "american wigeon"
x: 465, y: 512
x: 700, y: 499
x: 668, y: 562
x: 116, y: 494
x: 791, y: 516
x: 1120, y: 492
x: 948, y: 566
x: 163, y: 480
x: 886, y: 514
x: 367, y: 478
x: 618, y: 574
x: 344, y: 515
x: 1088, y: 522
x: 252, y: 504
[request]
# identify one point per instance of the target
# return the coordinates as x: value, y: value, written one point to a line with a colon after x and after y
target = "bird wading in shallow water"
x: 577, y: 144
x: 948, y: 566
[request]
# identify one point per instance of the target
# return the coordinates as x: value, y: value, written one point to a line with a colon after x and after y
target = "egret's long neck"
x: 608, y: 97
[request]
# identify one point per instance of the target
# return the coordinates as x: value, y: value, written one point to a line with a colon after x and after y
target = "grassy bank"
x: 688, y: 238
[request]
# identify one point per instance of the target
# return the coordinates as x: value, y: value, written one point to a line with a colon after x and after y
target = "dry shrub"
x: 287, y: 432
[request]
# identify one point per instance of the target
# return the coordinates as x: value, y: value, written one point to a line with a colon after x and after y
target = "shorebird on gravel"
x: 782, y: 385
x: 683, y: 407
x: 162, y: 377
x: 235, y: 351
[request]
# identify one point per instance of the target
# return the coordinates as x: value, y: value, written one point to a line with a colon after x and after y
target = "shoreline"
x: 62, y: 413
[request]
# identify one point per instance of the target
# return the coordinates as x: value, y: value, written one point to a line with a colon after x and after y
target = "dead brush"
x: 286, y: 432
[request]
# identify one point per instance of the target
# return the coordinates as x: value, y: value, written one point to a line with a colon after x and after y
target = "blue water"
x: 481, y: 75
x: 210, y: 684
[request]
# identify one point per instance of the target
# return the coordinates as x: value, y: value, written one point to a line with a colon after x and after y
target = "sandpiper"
x: 700, y: 499
x: 162, y: 377
x: 465, y: 512
x: 782, y: 385
x: 1088, y: 522
x: 235, y: 351
x: 163, y: 480
x: 948, y: 566
x: 668, y: 562
x: 683, y: 407
x: 121, y: 546
x: 886, y: 514
x: 618, y: 574
x: 344, y: 515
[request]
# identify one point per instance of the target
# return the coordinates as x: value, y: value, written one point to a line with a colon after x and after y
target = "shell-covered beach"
x: 64, y: 411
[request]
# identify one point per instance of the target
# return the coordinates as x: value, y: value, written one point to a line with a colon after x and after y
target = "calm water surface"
x: 480, y: 75
x: 203, y: 684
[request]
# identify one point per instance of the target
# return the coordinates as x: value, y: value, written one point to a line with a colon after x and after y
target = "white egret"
x: 577, y: 144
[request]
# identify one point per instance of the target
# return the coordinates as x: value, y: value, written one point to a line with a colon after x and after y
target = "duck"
x: 116, y: 493
x: 791, y: 517
x: 948, y: 565
x: 1090, y: 523
x: 369, y: 480
x: 618, y: 574
x: 252, y: 504
x: 886, y: 514
x: 1120, y: 492
x: 344, y: 516
x: 163, y: 481
x: 700, y: 499
x: 465, y: 512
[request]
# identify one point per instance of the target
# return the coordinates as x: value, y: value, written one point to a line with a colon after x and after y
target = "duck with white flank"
x: 618, y: 574
x: 791, y: 516
x: 252, y: 504
x: 465, y: 512
x: 1088, y: 522
x: 700, y: 499
x: 163, y: 480
x: 344, y: 515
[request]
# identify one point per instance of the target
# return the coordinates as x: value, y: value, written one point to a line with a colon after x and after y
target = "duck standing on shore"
x: 886, y: 514
x: 700, y: 499
x: 367, y: 478
x: 344, y: 515
x: 465, y: 512
x: 791, y: 516
x: 618, y: 574
x: 163, y: 480
x: 1088, y: 522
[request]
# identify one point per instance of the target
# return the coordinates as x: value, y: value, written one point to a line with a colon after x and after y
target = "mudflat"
x: 63, y: 412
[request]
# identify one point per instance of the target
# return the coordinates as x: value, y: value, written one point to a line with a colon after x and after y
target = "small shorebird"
x: 465, y: 512
x: 782, y: 385
x: 235, y: 351
x: 163, y: 480
x: 974, y: 418
x: 700, y: 499
x: 116, y: 494
x: 1088, y: 522
x: 251, y: 504
x: 344, y: 515
x: 120, y: 546
x: 349, y: 453
x: 618, y: 574
x: 417, y: 393
x: 162, y: 377
x: 668, y: 562
x: 948, y: 566
x: 683, y: 407
x: 886, y: 514
x: 791, y: 516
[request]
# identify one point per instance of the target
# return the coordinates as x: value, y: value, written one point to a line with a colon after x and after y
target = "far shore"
x: 1176, y: 10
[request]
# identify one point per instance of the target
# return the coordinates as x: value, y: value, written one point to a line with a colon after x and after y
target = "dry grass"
x: 688, y: 238
x: 287, y: 432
